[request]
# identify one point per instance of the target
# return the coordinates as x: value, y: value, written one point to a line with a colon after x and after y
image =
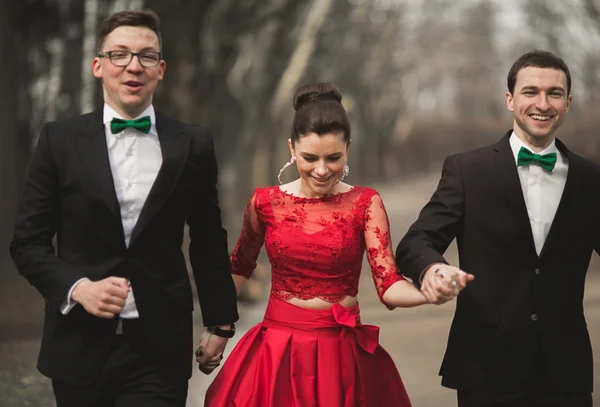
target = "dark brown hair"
x: 130, y: 18
x: 319, y: 110
x: 537, y: 59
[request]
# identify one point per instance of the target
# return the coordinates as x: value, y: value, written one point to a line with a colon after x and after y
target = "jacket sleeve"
x: 208, y: 250
x: 437, y: 225
x: 36, y: 224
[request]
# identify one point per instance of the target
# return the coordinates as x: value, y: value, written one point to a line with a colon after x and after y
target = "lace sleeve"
x: 252, y: 236
x: 379, y: 246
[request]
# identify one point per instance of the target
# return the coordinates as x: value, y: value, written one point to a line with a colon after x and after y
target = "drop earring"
x: 292, y: 160
x: 345, y: 171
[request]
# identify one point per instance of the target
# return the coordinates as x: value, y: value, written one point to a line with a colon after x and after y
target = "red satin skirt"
x: 301, y: 357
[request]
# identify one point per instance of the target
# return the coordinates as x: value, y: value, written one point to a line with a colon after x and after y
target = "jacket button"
x: 534, y: 317
x: 537, y: 272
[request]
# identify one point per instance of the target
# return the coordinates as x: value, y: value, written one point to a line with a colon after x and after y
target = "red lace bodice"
x: 316, y: 245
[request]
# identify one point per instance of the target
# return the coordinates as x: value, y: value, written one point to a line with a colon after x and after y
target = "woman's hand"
x: 210, y: 352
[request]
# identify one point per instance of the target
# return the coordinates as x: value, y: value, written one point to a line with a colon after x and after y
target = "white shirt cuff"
x: 67, y: 305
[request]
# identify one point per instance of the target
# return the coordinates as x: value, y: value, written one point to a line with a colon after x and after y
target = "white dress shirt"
x: 542, y: 189
x: 135, y: 159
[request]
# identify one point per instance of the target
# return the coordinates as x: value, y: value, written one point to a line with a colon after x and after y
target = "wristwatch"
x: 223, y: 333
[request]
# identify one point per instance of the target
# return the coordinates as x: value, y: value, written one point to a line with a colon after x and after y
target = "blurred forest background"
x: 420, y: 79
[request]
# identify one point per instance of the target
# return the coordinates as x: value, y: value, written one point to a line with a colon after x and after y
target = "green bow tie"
x: 547, y: 161
x: 142, y: 124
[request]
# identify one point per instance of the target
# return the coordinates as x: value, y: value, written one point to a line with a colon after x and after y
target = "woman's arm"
x: 247, y: 249
x: 393, y: 289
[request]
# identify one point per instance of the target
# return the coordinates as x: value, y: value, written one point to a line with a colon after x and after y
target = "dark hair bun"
x: 316, y: 91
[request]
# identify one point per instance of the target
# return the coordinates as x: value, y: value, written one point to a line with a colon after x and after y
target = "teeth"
x: 540, y: 117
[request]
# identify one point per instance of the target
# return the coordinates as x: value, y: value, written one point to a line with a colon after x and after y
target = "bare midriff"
x: 317, y: 303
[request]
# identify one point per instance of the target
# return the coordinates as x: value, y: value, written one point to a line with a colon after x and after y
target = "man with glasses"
x: 116, y: 187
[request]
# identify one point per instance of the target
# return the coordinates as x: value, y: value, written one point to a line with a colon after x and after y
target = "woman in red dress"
x: 311, y: 348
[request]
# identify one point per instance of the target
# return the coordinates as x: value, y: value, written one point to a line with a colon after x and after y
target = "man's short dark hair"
x: 538, y: 59
x: 130, y: 18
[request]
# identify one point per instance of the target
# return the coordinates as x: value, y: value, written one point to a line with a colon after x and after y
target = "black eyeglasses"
x: 148, y: 59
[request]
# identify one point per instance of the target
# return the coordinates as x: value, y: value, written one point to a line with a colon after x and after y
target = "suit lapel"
x: 568, y: 200
x: 506, y: 166
x: 174, y: 147
x: 94, y: 155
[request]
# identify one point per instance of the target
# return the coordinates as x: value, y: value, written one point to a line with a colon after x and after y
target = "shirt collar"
x: 516, y: 143
x: 109, y: 113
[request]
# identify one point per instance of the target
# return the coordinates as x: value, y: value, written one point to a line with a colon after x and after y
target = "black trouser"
x: 129, y: 379
x: 540, y: 391
x: 523, y: 399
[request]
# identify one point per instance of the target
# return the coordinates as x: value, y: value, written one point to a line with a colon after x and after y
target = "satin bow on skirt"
x: 301, y: 357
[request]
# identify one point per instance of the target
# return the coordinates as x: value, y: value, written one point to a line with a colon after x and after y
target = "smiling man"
x: 116, y: 187
x: 525, y: 215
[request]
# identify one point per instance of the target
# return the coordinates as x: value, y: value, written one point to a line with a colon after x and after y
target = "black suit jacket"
x: 519, y: 303
x: 69, y: 193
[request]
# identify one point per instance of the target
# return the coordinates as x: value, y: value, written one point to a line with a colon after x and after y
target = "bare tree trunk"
x: 57, y: 50
x: 592, y: 8
x: 182, y: 73
x: 17, y: 298
x: 288, y: 82
x: 120, y: 5
x: 88, y: 82
x: 9, y: 165
x: 305, y: 47
x: 249, y: 81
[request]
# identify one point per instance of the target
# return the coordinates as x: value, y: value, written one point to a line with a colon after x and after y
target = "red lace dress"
x: 304, y: 357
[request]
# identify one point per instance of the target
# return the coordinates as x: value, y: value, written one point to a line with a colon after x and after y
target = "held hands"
x: 104, y: 298
x: 441, y: 283
x: 210, y: 351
